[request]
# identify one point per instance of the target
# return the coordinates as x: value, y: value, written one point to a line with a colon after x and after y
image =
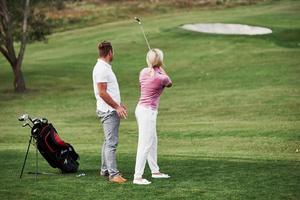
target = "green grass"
x: 228, y: 129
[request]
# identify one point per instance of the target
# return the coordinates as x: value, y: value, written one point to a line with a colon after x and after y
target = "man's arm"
x: 102, y: 88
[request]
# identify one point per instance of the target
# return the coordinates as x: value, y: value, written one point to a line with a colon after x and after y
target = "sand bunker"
x: 228, y: 29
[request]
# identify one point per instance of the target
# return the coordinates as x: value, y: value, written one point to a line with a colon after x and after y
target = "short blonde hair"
x: 155, y: 58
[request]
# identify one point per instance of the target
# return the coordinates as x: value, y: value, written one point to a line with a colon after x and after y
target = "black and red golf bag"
x: 58, y: 153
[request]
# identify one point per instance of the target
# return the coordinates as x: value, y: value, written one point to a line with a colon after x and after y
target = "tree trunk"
x: 19, y: 82
x: 7, y: 41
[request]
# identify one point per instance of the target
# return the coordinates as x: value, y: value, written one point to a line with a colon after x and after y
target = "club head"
x: 35, y: 119
x: 26, y: 124
x: 138, y: 20
x: 37, y: 122
x: 23, y: 117
x: 44, y: 120
x: 35, y: 131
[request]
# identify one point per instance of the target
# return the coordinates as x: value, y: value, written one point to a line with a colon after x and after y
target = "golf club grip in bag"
x: 58, y: 153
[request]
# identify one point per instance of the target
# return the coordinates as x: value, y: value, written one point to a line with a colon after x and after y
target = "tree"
x: 19, y: 24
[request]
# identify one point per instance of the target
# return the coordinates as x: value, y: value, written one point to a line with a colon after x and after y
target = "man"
x: 109, y: 109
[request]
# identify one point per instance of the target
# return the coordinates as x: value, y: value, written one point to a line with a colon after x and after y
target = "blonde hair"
x: 154, y: 58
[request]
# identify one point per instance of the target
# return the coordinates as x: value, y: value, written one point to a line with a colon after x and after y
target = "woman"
x: 153, y: 79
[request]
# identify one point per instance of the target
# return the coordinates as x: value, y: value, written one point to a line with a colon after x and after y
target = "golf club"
x: 142, y: 29
x: 23, y: 117
x: 26, y: 124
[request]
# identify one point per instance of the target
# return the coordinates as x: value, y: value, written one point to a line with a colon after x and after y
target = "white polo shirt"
x: 103, y: 73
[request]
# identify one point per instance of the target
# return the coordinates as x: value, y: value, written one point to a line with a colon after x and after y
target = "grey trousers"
x: 110, y: 122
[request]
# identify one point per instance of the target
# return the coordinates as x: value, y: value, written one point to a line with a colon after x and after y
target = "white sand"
x: 228, y: 29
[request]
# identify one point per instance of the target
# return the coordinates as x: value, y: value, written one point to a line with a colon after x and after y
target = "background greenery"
x: 228, y: 129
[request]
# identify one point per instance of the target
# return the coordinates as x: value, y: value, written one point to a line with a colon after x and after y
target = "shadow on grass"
x: 289, y: 38
x: 192, y: 177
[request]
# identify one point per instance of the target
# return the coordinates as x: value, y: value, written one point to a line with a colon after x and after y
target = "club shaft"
x: 145, y: 37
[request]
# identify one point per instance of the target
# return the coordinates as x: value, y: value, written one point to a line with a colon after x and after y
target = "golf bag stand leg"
x: 26, y: 156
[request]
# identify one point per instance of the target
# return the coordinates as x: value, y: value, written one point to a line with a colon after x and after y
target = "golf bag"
x: 58, y: 153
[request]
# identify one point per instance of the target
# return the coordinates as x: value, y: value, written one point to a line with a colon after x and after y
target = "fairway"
x: 229, y: 128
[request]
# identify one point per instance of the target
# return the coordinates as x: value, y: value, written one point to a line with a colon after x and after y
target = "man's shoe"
x: 106, y: 174
x: 124, y: 179
x: 141, y: 181
x: 160, y: 175
x: 117, y: 179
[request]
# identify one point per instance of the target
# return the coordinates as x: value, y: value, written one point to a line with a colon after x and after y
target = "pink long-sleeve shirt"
x: 152, y: 87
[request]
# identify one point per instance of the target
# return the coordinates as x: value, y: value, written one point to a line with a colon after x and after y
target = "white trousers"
x: 147, y: 143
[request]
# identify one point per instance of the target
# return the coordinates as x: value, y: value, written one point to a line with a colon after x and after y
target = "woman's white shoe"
x: 141, y: 182
x: 160, y: 175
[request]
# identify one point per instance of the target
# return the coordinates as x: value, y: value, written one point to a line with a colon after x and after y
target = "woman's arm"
x: 165, y: 73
